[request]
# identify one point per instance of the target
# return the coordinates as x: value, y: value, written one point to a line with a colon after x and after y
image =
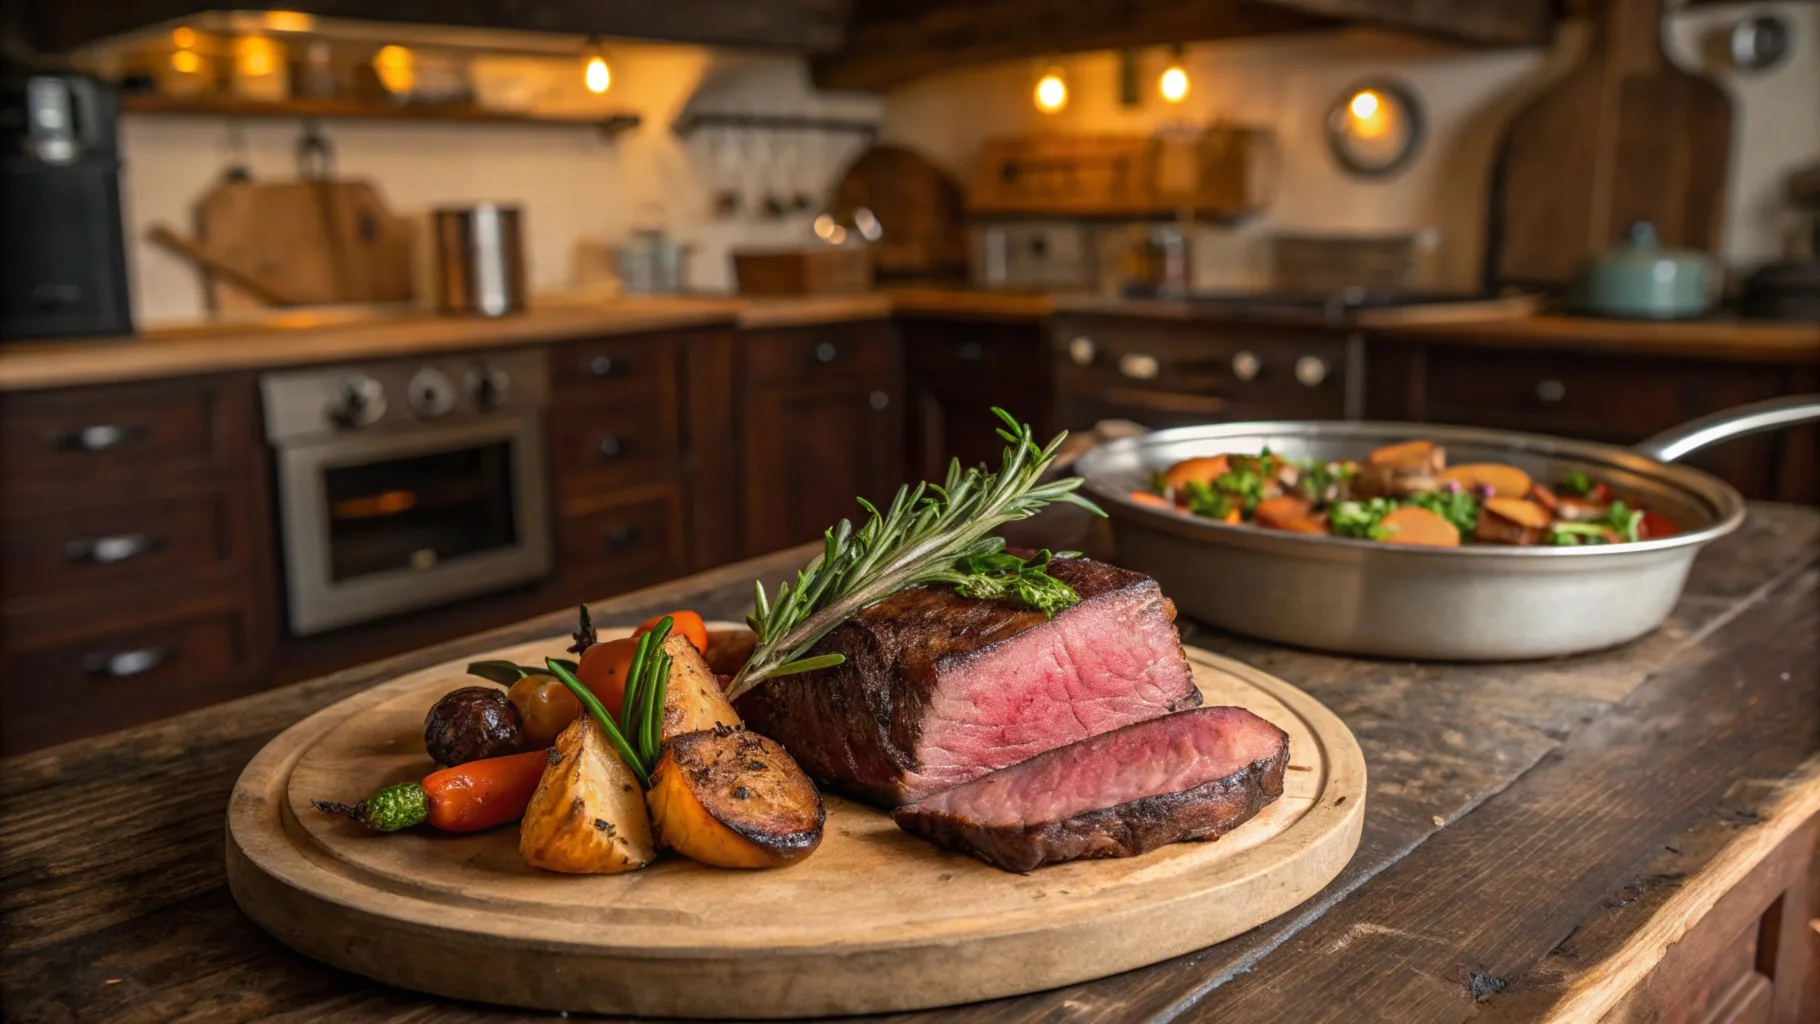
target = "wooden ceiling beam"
x: 810, y: 26
x: 890, y: 42
x: 1476, y: 22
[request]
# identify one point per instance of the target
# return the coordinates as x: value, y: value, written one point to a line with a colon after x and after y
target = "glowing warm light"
x: 1174, y: 84
x: 1365, y: 105
x: 825, y: 227
x: 1051, y: 92
x: 288, y: 21
x: 598, y: 77
x: 394, y: 67
x: 1371, y: 118
x: 185, y: 62
x: 183, y: 38
x: 256, y: 56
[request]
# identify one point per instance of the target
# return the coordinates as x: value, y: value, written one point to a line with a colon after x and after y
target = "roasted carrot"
x: 1408, y: 455
x: 1526, y: 514
x: 1504, y: 481
x: 466, y: 798
x: 684, y: 623
x: 1205, y: 470
x: 1412, y: 524
x: 1288, y: 513
x: 1153, y: 500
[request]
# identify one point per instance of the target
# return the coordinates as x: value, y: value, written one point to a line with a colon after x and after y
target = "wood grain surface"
x: 858, y: 927
x: 114, y: 906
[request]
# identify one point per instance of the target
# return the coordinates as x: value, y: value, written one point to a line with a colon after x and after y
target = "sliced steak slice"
x: 1196, y: 775
x: 938, y: 688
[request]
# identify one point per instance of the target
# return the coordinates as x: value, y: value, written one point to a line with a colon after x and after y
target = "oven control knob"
x: 1311, y: 370
x: 359, y: 403
x: 431, y: 394
x: 489, y: 386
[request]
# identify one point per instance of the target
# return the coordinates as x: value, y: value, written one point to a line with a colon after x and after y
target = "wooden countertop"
x: 327, y: 336
x: 1536, y: 834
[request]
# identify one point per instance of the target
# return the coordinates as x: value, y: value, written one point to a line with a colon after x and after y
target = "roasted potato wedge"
x: 588, y: 815
x: 693, y: 699
x: 1409, y: 457
x: 734, y: 799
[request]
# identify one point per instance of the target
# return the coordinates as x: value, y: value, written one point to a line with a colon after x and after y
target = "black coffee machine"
x: 62, y: 257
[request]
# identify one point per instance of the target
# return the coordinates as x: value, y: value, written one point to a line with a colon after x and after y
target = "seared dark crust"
x: 854, y: 728
x: 1207, y: 811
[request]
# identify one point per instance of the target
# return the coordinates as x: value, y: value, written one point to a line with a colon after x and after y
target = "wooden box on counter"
x: 824, y: 270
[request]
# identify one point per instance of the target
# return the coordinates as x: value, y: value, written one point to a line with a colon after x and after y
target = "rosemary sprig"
x: 641, y: 710
x: 919, y: 539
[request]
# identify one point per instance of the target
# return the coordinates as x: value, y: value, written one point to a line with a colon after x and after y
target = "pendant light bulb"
x: 597, y: 75
x: 1051, y: 91
x: 1173, y: 85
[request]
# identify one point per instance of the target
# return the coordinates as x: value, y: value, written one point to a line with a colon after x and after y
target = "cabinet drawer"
x: 86, y: 682
x: 629, y: 540
x: 1620, y: 399
x: 98, y: 431
x: 171, y: 540
x: 600, y: 447
x: 805, y: 354
x: 640, y: 367
x: 968, y: 350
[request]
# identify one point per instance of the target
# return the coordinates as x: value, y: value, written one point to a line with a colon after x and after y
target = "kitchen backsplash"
x: 1289, y: 82
x: 574, y: 185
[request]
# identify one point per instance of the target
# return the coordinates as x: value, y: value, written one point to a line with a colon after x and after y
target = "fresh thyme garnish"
x: 926, y: 532
x: 638, y: 736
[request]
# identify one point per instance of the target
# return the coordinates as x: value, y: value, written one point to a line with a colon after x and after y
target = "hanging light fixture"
x: 595, y: 73
x: 1173, y: 84
x: 1051, y: 93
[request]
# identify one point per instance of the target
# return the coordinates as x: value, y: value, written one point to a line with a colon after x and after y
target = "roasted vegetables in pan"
x: 1402, y: 494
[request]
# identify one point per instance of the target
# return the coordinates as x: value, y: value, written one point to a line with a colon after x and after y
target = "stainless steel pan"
x: 1472, y: 603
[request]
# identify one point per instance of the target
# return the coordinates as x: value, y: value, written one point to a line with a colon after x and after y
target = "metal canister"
x: 480, y: 263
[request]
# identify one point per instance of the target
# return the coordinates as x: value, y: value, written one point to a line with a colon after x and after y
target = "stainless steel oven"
x: 407, y: 484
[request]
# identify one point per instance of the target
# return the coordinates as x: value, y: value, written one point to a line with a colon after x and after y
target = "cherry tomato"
x: 687, y: 624
x: 1654, y: 525
x: 603, y: 671
x: 545, y: 708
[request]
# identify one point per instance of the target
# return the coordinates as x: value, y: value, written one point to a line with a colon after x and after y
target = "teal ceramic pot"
x: 1643, y: 280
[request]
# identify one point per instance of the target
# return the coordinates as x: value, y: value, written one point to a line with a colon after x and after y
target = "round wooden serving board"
x: 874, y: 921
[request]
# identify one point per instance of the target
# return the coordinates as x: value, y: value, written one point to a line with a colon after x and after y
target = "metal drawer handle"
x: 1139, y: 366
x: 970, y: 352
x: 98, y: 438
x: 613, y: 447
x: 826, y: 352
x: 879, y: 401
x: 1311, y: 371
x: 1246, y: 365
x: 121, y: 664
x: 110, y: 550
x: 606, y: 366
x: 623, y: 535
x: 1551, y: 392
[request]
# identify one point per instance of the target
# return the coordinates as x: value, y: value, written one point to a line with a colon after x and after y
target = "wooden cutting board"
x: 319, y: 242
x: 1625, y: 136
x: 874, y: 921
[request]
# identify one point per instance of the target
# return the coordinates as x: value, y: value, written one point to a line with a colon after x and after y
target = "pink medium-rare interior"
x: 1163, y: 755
x: 1105, y: 664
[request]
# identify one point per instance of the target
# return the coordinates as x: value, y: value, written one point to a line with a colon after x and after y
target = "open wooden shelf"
x: 359, y: 109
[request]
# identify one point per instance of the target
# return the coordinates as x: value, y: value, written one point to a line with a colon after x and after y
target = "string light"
x: 595, y: 73
x: 1370, y: 118
x: 1174, y: 81
x: 1051, y: 91
x: 393, y: 65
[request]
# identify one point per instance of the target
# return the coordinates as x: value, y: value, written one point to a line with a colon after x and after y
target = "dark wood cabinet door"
x: 821, y: 424
x: 956, y: 372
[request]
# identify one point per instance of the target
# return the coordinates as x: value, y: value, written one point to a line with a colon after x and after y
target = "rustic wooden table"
x: 1629, y: 829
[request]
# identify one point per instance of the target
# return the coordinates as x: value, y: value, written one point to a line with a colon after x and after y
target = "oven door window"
x: 414, y: 513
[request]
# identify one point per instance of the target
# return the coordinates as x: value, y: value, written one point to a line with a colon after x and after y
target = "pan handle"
x: 1755, y: 418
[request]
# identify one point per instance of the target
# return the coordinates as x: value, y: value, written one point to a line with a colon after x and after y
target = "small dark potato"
x: 471, y: 724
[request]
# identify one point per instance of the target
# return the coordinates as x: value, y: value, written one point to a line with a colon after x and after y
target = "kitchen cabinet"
x: 956, y: 372
x: 137, y: 573
x: 1618, y: 398
x: 821, y: 424
x: 1163, y: 373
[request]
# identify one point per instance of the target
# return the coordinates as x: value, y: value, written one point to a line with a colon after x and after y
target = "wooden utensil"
x: 318, y: 242
x: 861, y: 926
x: 1626, y: 136
x: 217, y: 264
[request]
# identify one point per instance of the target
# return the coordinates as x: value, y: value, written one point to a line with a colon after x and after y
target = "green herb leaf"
x: 1004, y: 576
x: 603, y: 719
x: 1363, y: 519
x: 918, y: 539
x: 502, y: 672
x: 1461, y: 507
x: 1578, y: 483
x: 1203, y: 500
